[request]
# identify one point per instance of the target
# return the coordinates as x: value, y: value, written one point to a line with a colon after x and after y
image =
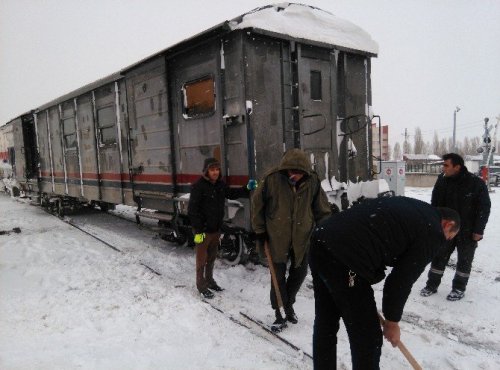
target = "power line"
x: 462, y: 126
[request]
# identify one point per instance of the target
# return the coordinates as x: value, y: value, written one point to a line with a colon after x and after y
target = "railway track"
x: 241, y: 319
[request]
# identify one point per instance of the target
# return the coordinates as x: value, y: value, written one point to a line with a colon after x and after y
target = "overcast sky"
x: 434, y: 54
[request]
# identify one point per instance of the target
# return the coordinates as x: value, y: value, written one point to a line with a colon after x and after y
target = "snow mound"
x: 309, y: 23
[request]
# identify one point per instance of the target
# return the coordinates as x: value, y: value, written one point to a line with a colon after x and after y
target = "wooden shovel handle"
x: 273, y: 274
x: 403, y: 349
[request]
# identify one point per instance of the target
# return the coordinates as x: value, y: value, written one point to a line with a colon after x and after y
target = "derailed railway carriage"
x: 279, y: 77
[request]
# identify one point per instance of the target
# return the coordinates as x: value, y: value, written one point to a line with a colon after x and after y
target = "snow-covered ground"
x: 68, y: 301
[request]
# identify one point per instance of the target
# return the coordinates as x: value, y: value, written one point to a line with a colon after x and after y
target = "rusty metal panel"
x: 45, y: 170
x: 124, y: 136
x: 357, y: 98
x: 317, y: 108
x: 18, y: 149
x: 108, y: 143
x: 265, y: 94
x: 70, y: 149
x: 88, y: 147
x: 19, y: 163
x: 150, y: 134
x: 56, y: 149
x: 234, y: 109
x: 196, y: 137
x: 6, y: 143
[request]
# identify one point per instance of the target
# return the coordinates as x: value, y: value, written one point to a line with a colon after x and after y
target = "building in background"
x: 377, y: 140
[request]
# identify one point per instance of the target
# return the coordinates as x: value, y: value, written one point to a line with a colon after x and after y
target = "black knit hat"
x: 209, y: 162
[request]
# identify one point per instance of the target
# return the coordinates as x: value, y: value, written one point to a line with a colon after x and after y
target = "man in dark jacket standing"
x: 350, y: 252
x: 285, y: 208
x: 206, y: 213
x: 466, y: 193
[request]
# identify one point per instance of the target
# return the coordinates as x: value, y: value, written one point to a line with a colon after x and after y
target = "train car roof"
x: 82, y: 90
x: 292, y: 21
x: 9, y: 122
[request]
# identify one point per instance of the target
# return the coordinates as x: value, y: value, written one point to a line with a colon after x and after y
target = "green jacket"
x: 288, y: 213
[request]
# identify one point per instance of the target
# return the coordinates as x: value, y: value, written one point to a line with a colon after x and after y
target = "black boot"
x: 290, y: 315
x: 216, y: 288
x: 207, y: 294
x: 280, y: 323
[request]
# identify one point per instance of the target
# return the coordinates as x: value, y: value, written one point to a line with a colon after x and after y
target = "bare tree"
x: 427, y: 148
x: 466, y: 148
x: 475, y: 143
x: 418, y: 142
x: 443, y: 147
x: 459, y: 148
x: 396, y: 152
x: 435, y: 143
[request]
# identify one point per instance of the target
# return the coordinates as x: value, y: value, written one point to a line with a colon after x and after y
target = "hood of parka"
x: 295, y: 159
x: 209, y: 162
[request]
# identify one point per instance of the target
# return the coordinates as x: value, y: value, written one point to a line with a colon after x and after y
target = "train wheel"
x: 15, y: 191
x: 59, y: 208
x: 232, y: 249
x: 104, y: 206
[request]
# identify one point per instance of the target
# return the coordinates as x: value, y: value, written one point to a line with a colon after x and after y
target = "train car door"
x: 317, y: 108
x: 237, y: 142
x: 70, y: 149
x: 25, y: 166
x: 150, y: 135
x: 88, y: 147
x: 108, y: 130
x: 19, y: 161
x: 47, y: 183
x: 57, y: 152
x: 196, y: 112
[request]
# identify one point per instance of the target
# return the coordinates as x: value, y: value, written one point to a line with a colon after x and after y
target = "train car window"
x: 106, y: 124
x: 316, y: 85
x: 69, y: 132
x: 199, y: 97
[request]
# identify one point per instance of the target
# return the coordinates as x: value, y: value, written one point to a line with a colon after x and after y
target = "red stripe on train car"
x: 182, y: 178
x: 153, y: 178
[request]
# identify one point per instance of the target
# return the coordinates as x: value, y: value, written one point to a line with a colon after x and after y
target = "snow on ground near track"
x: 67, y: 301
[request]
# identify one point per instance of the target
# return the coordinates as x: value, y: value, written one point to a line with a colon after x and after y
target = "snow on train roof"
x: 307, y: 22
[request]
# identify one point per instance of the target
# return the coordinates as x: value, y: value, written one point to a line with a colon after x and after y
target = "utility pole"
x: 405, y: 143
x: 487, y: 144
x: 454, y: 146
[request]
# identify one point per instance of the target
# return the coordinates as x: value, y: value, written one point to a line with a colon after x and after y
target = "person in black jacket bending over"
x: 206, y: 213
x: 466, y: 193
x: 350, y: 252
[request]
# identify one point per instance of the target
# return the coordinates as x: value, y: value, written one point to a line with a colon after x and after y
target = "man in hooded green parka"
x: 285, y: 208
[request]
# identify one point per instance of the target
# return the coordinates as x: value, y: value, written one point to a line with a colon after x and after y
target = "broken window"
x: 106, y: 120
x: 69, y: 132
x: 199, y: 97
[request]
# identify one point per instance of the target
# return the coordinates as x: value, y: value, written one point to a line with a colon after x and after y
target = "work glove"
x: 252, y: 184
x: 199, y: 238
